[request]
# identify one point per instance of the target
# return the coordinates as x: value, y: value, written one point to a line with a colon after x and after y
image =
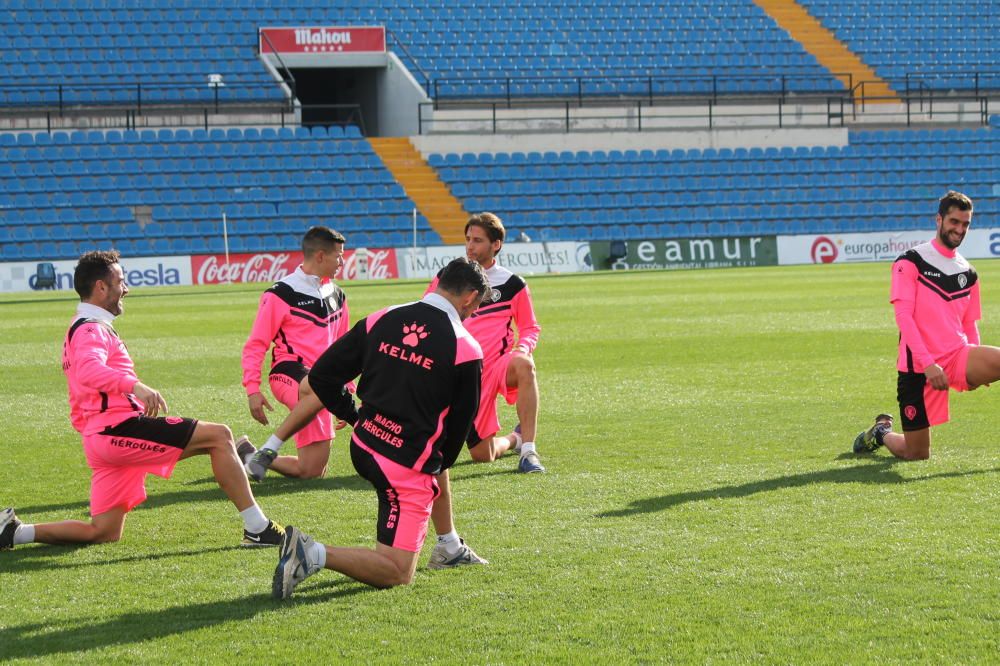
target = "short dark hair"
x: 91, y: 267
x: 490, y: 223
x: 320, y: 238
x: 462, y: 275
x: 953, y: 199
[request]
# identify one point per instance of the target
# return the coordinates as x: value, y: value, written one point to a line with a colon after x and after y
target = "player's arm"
x: 903, y: 298
x: 528, y: 328
x: 270, y: 314
x: 88, y: 352
x: 463, y: 409
x: 972, y: 315
x: 305, y: 410
x: 343, y: 326
x: 340, y: 363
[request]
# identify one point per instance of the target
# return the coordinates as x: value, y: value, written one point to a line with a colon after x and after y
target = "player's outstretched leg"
x: 521, y: 375
x: 440, y: 559
x: 869, y: 440
x: 8, y: 526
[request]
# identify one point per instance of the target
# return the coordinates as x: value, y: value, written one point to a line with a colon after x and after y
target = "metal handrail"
x: 406, y: 52
x: 577, y: 83
x: 287, y: 72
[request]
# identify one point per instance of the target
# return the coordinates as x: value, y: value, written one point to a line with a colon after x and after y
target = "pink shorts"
x: 487, y: 423
x: 320, y: 429
x: 405, y: 497
x: 121, y: 456
x: 922, y: 406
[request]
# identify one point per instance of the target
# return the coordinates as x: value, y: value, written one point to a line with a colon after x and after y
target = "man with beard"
x: 935, y: 296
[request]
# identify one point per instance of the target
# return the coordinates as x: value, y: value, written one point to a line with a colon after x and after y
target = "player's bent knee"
x: 218, y: 435
x: 312, y: 473
x: 109, y: 534
x: 399, y: 579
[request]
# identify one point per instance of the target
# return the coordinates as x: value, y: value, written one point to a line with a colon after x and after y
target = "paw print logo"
x: 413, y: 334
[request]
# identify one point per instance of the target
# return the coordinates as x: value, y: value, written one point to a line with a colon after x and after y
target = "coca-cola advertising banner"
x: 375, y: 264
x: 368, y: 39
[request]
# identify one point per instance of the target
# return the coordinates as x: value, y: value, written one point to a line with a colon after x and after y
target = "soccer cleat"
x: 440, y: 559
x: 293, y: 563
x: 866, y: 441
x: 530, y: 463
x: 8, y: 525
x: 259, y: 463
x: 245, y: 449
x: 271, y: 536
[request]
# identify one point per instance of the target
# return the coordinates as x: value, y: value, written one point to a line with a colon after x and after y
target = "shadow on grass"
x: 268, y: 488
x: 879, y: 471
x: 39, y: 557
x: 53, y: 638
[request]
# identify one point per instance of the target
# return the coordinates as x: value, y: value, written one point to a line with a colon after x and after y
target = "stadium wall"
x: 523, y: 258
x: 697, y: 139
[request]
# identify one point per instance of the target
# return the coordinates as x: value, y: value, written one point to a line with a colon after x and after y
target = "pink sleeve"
x: 432, y: 286
x: 972, y: 315
x: 528, y: 329
x: 89, y: 354
x: 265, y: 327
x: 903, y: 298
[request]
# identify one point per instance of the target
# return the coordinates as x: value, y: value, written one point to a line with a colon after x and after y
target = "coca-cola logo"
x: 264, y: 267
x: 381, y: 265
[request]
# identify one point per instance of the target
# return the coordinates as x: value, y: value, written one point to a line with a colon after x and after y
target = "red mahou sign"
x: 356, y: 39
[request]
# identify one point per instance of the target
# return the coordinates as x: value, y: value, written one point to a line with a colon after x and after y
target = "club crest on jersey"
x: 495, y: 294
x: 962, y: 280
x: 413, y: 334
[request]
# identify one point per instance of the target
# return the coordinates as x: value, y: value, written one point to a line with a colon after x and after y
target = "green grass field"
x: 700, y: 504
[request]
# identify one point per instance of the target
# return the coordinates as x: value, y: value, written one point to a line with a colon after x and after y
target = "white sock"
x: 526, y: 448
x: 25, y: 533
x: 518, y: 440
x: 452, y: 544
x: 254, y: 519
x: 317, y: 555
x: 272, y: 444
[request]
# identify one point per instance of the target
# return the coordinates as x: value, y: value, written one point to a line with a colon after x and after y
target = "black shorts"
x: 293, y: 369
x: 173, y: 431
x: 910, y: 391
x: 405, y: 498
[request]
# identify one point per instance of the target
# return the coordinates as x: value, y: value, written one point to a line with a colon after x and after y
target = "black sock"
x: 881, y: 431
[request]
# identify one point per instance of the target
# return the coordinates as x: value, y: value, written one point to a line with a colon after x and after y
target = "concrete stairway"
x: 433, y: 198
x: 828, y: 50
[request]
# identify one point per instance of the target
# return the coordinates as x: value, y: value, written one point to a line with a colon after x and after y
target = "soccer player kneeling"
x: 935, y: 296
x: 420, y: 372
x: 124, y: 438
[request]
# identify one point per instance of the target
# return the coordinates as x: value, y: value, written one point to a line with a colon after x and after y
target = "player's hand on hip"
x: 936, y: 377
x: 151, y: 398
x: 257, y: 404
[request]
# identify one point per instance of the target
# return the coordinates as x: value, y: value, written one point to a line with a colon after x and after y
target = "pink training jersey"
x: 935, y: 295
x: 301, y: 316
x: 99, y: 372
x: 492, y: 323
